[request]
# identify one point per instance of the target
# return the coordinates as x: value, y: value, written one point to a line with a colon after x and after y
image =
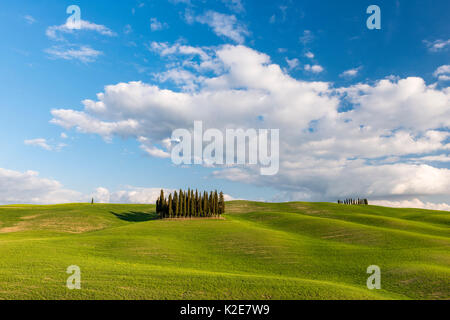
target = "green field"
x: 258, y: 251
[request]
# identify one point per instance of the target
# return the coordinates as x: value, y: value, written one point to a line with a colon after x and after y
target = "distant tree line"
x: 354, y: 201
x: 187, y: 204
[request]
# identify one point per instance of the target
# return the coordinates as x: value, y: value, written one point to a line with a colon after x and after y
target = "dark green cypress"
x: 184, y: 204
x: 170, y: 206
x: 175, y: 204
x: 216, y: 203
x: 205, y: 204
x: 221, y: 203
x: 188, y: 204
x: 180, y: 201
x: 196, y: 203
x: 210, y: 204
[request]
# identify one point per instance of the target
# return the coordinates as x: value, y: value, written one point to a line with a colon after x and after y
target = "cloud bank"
x: 369, y: 139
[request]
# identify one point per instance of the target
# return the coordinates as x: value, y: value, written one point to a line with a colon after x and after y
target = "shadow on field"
x: 134, y: 216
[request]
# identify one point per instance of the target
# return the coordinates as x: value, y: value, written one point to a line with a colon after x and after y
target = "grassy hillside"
x: 259, y: 251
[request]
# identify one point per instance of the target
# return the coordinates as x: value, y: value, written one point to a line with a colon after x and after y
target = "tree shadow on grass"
x: 134, y: 216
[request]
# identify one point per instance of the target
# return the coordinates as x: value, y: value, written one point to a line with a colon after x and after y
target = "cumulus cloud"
x: 84, y: 54
x: 443, y: 73
x: 293, y: 63
x: 314, y: 68
x: 309, y: 55
x: 129, y: 195
x: 132, y: 194
x: 414, y: 203
x: 362, y: 140
x: 27, y: 187
x: 350, y: 73
x: 438, y: 158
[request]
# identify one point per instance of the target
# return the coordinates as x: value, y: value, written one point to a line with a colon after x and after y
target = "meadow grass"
x: 258, y: 251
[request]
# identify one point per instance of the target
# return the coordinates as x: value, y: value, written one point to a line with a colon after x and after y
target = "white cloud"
x: 130, y: 195
x: 444, y: 77
x: 414, y: 203
x: 309, y: 55
x: 443, y: 73
x: 63, y: 135
x: 29, y: 19
x: 438, y: 158
x: 223, y: 25
x: 156, y: 25
x: 39, y: 142
x: 407, y: 103
x: 293, y: 63
x: 56, y: 32
x: 368, y: 150
x: 307, y: 37
x: 314, y: 68
x: 127, y: 29
x: 235, y: 5
x: 42, y: 143
x: 86, y: 124
x: 442, y: 70
x: 437, y: 45
x: 153, y: 150
x: 27, y: 187
x: 134, y: 195
x: 350, y: 73
x: 84, y: 54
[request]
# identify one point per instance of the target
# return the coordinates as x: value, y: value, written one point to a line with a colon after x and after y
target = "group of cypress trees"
x: 186, y: 204
x: 354, y: 201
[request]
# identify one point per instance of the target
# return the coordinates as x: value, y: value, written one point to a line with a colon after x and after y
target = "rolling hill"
x: 258, y: 251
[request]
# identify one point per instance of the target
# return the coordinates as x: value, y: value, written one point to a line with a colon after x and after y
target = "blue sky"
x: 345, y: 73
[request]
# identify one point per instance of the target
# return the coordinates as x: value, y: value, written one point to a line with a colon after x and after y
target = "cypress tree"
x: 216, y: 203
x: 166, y: 207
x: 184, y: 204
x: 175, y: 204
x: 211, y: 204
x: 170, y: 206
x: 205, y: 204
x: 161, y: 203
x: 192, y: 203
x: 180, y: 203
x: 196, y: 203
x: 200, y: 205
x: 188, y: 205
x: 221, y: 204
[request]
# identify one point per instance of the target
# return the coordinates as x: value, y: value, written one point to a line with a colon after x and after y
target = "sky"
x: 89, y: 111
